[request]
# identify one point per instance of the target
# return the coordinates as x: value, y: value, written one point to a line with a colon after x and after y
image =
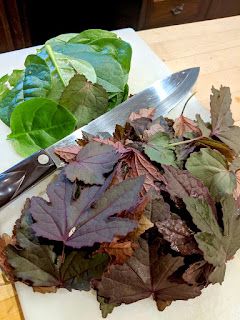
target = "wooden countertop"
x: 212, y: 45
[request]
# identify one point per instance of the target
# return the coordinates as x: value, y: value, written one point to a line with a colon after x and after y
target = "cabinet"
x: 14, y: 31
x: 159, y: 13
x: 223, y: 8
x: 21, y: 20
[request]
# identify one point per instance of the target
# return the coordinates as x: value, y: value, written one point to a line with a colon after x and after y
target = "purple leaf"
x: 90, y: 218
x: 92, y: 162
x: 181, y: 184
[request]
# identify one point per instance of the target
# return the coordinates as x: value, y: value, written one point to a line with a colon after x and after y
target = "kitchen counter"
x: 212, y: 45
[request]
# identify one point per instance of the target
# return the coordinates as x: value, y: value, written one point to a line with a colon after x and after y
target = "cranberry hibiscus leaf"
x: 222, y: 121
x: 159, y: 149
x: 217, y: 245
x: 143, y: 275
x: 92, y: 162
x: 88, y: 219
x: 181, y: 184
x: 38, y: 265
x: 212, y: 169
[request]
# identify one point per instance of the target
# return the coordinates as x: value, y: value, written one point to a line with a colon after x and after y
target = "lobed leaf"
x: 84, y: 99
x: 211, y: 168
x: 158, y: 149
x: 92, y: 162
x: 88, y: 219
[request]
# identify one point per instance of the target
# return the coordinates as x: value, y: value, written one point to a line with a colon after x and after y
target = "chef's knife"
x: 163, y: 95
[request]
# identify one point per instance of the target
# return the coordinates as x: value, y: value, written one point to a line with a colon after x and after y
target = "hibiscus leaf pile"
x: 151, y: 211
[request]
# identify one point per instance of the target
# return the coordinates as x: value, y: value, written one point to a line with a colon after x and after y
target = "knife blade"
x: 163, y: 95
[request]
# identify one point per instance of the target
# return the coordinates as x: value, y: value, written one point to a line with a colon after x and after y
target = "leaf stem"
x: 52, y: 57
x: 185, y: 141
x: 63, y: 254
x: 187, y: 102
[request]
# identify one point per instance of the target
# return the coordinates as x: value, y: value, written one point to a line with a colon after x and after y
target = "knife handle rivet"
x: 43, y: 159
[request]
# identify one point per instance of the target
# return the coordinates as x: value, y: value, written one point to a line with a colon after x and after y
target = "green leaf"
x: 87, y: 36
x: 218, y: 274
x: 11, y: 93
x: 37, y: 78
x: 106, y: 307
x: 38, y: 123
x: 3, y: 85
x: 118, y: 98
x: 217, y: 245
x: 212, y: 169
x: 109, y: 72
x: 108, y: 43
x: 63, y: 68
x: 118, y: 49
x: 85, y: 100
x: 10, y: 101
x: 231, y: 222
x: 212, y: 248
x: 65, y: 37
x: 8, y: 81
x: 203, y: 216
x: 78, y: 270
x: 158, y: 149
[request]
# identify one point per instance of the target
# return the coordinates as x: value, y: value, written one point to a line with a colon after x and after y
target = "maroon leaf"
x: 157, y: 209
x: 183, y: 125
x: 181, y: 184
x: 176, y: 231
x: 198, y: 273
x: 88, y: 219
x: 119, y: 251
x: 5, y: 240
x: 117, y: 145
x: 68, y: 153
x: 134, y: 164
x: 92, y: 162
x: 153, y: 129
x: 143, y: 275
x: 142, y: 113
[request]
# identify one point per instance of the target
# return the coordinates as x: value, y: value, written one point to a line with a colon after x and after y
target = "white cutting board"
x: 216, y: 302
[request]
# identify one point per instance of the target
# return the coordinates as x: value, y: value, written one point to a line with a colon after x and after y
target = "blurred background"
x: 25, y: 23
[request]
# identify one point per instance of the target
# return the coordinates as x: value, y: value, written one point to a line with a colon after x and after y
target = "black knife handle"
x: 24, y: 175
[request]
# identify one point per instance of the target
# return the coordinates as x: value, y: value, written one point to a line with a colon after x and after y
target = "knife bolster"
x: 24, y: 175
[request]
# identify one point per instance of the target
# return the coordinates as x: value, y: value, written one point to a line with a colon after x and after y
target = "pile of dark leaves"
x: 149, y: 211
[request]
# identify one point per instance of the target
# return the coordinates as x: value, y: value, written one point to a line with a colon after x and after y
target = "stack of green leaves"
x: 150, y: 211
x: 72, y: 79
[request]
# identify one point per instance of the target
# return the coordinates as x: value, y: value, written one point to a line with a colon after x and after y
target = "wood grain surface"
x: 212, y: 45
x: 10, y: 308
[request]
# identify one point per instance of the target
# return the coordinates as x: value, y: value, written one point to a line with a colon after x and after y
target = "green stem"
x: 185, y: 141
x: 52, y: 57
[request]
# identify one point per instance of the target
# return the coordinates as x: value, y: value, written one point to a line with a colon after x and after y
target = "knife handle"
x: 24, y: 175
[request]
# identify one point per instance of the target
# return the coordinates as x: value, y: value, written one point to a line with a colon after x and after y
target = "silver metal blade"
x: 163, y: 95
